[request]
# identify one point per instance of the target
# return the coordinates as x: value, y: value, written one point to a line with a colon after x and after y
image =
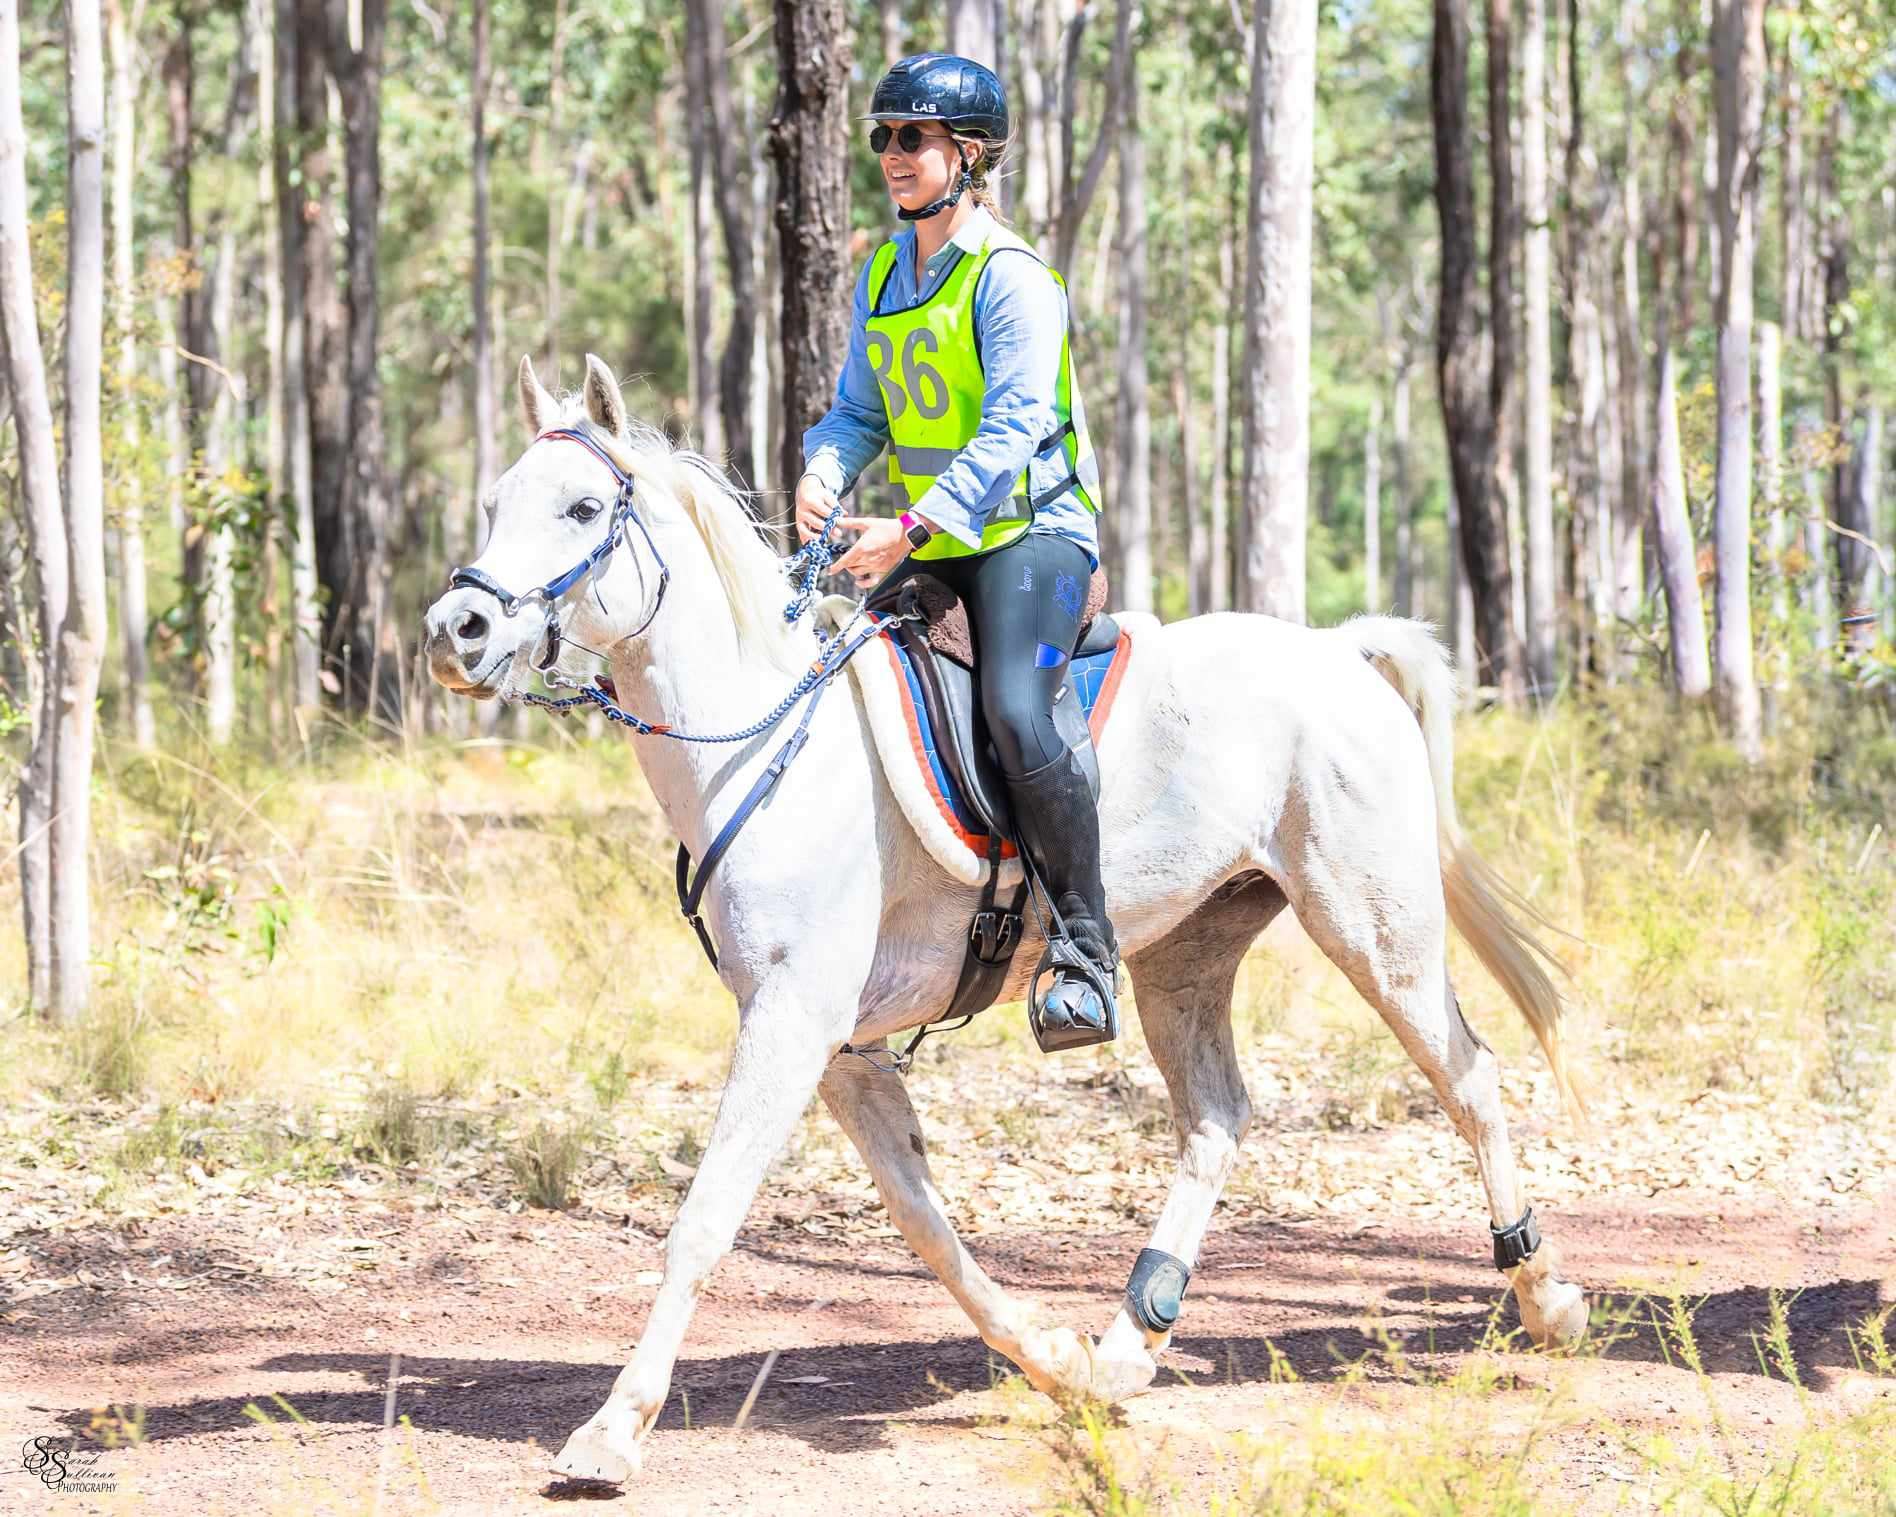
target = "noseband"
x: 547, y: 596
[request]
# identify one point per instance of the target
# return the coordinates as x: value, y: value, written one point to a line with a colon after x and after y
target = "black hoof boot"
x: 1057, y: 821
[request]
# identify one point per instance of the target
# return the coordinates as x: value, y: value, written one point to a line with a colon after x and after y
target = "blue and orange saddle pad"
x: 1095, y: 679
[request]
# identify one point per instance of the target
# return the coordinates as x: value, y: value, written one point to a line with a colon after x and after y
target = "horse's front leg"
x: 871, y: 1104
x: 788, y: 1030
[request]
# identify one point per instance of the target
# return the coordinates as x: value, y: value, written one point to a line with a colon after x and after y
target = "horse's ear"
x: 604, y: 404
x: 536, y: 404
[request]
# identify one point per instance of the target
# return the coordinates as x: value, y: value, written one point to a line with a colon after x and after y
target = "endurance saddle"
x: 932, y: 633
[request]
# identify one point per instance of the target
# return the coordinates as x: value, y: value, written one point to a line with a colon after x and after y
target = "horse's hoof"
x: 1122, y: 1377
x: 1059, y: 1362
x: 592, y: 1453
x: 1558, y: 1319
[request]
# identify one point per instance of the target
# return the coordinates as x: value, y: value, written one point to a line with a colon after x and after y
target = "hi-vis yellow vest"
x: 928, y: 368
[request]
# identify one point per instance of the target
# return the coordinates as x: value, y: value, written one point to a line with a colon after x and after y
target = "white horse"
x: 1267, y: 764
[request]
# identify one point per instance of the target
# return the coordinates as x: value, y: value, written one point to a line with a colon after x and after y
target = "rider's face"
x: 926, y: 174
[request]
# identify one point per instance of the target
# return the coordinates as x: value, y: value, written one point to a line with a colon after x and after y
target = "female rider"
x: 959, y: 363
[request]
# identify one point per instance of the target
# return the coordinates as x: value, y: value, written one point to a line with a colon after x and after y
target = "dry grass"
x: 1481, y: 1442
x: 452, y: 926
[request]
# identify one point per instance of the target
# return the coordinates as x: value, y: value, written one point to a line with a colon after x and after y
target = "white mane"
x: 749, y: 569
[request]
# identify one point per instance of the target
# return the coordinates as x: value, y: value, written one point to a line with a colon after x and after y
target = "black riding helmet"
x: 966, y: 96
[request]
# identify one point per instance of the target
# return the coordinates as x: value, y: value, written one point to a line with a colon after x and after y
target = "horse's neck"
x: 688, y: 673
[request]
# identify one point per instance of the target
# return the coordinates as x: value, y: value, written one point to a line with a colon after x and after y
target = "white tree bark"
x: 1672, y: 535
x: 1132, y: 441
x: 1219, y: 598
x: 39, y: 484
x: 1372, y: 507
x: 83, y: 631
x: 1277, y: 307
x: 1538, y: 507
x: 974, y: 30
x: 134, y: 614
x: 1739, y: 51
x: 1866, y: 480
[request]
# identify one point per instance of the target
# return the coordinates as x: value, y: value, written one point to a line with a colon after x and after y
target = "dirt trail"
x: 882, y: 1400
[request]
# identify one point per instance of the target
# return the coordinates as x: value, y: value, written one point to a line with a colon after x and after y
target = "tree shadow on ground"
x: 865, y: 1386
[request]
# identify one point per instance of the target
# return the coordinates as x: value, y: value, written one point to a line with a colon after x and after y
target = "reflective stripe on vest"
x: 928, y: 370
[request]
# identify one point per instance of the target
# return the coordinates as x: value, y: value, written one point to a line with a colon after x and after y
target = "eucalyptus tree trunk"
x: 889, y: 22
x: 1771, y: 465
x: 731, y: 193
x: 1372, y: 506
x: 1740, y: 72
x: 82, y: 631
x: 707, y: 420
x: 1635, y: 451
x: 366, y: 624
x: 134, y: 615
x: 45, y: 527
x: 223, y: 435
x: 305, y: 614
x: 1866, y: 518
x: 1132, y: 436
x: 1793, y: 208
x: 1503, y: 238
x: 1480, y: 531
x: 1405, y: 575
x: 808, y: 143
x: 1816, y: 596
x: 325, y: 328
x: 486, y: 440
x: 1036, y: 33
x: 1835, y: 263
x: 1276, y: 391
x: 1543, y: 622
x: 1672, y: 537
x: 1079, y: 184
x: 555, y: 188
x: 974, y: 30
x: 1218, y: 593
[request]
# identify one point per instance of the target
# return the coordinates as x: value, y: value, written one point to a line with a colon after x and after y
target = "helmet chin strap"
x: 947, y: 202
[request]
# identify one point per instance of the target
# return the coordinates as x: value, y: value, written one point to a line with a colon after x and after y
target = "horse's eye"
x: 583, y: 510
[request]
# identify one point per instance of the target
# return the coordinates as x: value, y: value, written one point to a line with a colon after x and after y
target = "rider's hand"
x: 814, y: 504
x: 880, y: 548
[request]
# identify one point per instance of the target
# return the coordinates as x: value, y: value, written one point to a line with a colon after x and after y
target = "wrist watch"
x: 917, y: 532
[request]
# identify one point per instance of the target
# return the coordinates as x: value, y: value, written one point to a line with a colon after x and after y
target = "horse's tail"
x: 1410, y: 656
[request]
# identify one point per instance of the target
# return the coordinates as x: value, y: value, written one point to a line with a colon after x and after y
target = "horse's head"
x: 590, y: 533
x: 569, y: 552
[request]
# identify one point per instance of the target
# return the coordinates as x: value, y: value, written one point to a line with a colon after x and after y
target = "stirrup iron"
x: 1060, y: 956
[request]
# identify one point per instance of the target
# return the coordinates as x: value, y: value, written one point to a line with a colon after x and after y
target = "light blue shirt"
x: 1020, y: 322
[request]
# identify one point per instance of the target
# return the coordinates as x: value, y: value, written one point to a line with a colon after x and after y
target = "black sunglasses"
x: 909, y: 138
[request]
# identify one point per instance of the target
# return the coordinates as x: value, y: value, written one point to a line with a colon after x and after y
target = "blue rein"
x: 812, y: 559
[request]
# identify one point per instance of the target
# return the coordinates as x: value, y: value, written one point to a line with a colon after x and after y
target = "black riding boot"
x: 1057, y: 820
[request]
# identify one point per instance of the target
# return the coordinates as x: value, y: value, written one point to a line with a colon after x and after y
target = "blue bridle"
x: 624, y: 510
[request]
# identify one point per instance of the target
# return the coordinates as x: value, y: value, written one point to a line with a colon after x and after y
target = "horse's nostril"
x: 470, y: 627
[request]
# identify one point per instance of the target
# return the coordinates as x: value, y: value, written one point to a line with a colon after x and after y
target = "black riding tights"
x: 1024, y: 603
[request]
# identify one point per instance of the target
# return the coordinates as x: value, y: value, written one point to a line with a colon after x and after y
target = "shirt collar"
x: 971, y: 239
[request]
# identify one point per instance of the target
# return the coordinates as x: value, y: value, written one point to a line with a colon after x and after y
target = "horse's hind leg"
x: 871, y: 1104
x: 1183, y: 986
x: 1389, y: 937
